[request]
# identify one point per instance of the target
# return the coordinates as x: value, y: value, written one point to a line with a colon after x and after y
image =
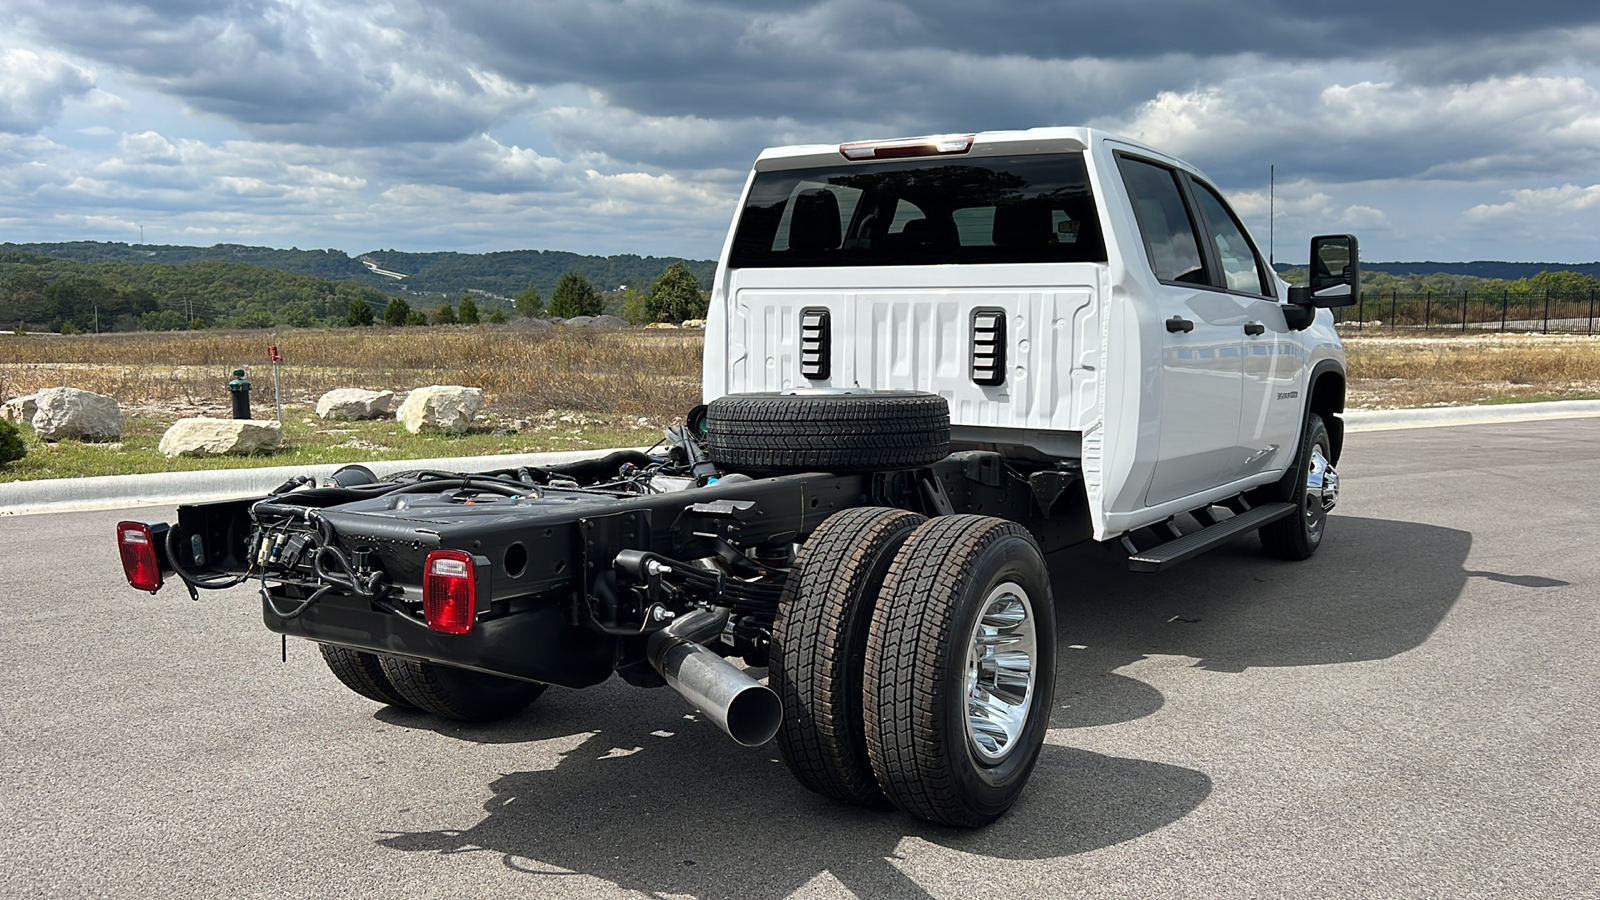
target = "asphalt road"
x: 1409, y: 714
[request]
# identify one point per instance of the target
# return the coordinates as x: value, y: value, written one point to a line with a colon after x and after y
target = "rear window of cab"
x: 1006, y: 209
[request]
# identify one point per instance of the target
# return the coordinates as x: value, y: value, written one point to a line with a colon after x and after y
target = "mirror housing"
x: 1335, y: 273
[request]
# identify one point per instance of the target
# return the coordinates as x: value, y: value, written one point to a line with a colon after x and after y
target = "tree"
x: 530, y: 304
x: 163, y: 320
x: 445, y: 315
x: 497, y: 317
x: 469, y: 310
x: 575, y: 296
x: 359, y: 313
x: 676, y: 296
x: 397, y: 312
x: 635, y: 306
x: 416, y: 317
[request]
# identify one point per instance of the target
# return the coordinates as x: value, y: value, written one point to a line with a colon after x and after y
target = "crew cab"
x: 928, y: 361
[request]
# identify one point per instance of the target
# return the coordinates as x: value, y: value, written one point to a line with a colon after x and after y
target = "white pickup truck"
x: 928, y: 362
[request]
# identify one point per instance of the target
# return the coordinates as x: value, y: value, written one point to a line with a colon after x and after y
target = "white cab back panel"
x: 910, y: 328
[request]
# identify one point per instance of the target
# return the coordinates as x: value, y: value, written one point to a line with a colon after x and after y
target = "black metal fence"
x: 1542, y: 312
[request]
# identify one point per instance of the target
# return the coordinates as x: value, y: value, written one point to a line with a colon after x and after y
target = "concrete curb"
x: 20, y: 498
x: 1360, y: 420
x: 120, y: 491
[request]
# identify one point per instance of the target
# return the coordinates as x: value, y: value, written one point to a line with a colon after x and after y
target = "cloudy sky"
x: 1436, y: 130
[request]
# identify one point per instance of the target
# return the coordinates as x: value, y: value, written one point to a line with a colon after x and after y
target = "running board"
x: 1176, y: 551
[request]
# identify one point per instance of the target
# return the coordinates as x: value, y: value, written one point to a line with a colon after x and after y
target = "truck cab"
x: 1075, y: 296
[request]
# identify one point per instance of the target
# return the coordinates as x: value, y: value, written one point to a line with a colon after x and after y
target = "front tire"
x: 819, y: 642
x: 960, y: 670
x: 1312, y: 484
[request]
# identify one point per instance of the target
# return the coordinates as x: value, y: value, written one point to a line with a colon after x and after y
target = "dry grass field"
x: 1389, y: 372
x: 522, y: 371
x: 559, y: 388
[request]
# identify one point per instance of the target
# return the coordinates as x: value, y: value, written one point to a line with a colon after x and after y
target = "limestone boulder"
x: 19, y: 410
x: 694, y: 323
x: 608, y: 321
x: 67, y: 413
x: 355, y: 403
x: 220, y: 437
x: 440, y: 407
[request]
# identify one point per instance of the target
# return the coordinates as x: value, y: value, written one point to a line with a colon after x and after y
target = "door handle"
x: 1255, y: 328
x: 1179, y: 323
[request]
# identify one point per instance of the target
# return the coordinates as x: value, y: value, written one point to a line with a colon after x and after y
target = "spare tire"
x: 828, y: 432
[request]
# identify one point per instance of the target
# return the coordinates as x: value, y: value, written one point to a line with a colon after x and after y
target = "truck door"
x: 1269, y: 424
x: 1202, y: 339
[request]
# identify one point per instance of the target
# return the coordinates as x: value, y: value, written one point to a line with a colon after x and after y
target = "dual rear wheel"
x: 916, y: 661
x: 453, y: 693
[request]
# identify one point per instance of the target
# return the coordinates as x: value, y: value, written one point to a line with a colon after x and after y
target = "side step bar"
x: 1177, y: 550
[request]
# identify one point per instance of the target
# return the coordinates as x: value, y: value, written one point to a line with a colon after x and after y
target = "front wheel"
x: 960, y: 670
x: 1312, y: 484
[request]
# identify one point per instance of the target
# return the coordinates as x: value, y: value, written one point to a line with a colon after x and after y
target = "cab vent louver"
x: 989, y: 346
x: 816, y: 345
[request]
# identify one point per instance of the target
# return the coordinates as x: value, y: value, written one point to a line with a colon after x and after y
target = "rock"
x: 577, y: 321
x: 608, y: 321
x: 447, y: 408
x: 220, y: 437
x: 660, y: 325
x: 355, y: 403
x: 694, y: 323
x: 65, y: 412
x: 19, y: 410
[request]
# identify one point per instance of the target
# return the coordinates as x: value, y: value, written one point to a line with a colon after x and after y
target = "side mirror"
x: 1335, y: 273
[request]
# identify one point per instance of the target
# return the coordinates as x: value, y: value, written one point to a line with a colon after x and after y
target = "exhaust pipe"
x: 747, y: 710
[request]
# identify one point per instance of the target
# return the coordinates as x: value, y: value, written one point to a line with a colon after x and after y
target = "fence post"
x: 1464, y: 305
x: 1427, y: 311
x: 1394, y: 307
x: 1546, y: 311
x: 1591, y: 312
x: 1505, y: 299
x: 1361, y: 313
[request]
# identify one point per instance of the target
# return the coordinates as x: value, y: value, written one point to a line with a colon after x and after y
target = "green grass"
x: 308, y: 440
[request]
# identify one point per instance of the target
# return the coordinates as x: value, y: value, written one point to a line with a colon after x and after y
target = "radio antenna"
x: 1272, y: 220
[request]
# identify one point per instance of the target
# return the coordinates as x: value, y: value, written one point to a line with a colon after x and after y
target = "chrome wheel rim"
x: 1002, y: 654
x: 1322, y: 490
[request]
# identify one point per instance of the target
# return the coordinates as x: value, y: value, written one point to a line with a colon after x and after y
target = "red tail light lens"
x: 139, y: 561
x: 450, y: 591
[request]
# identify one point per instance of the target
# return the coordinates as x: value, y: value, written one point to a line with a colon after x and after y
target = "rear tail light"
x: 450, y: 591
x: 137, y: 544
x: 900, y: 148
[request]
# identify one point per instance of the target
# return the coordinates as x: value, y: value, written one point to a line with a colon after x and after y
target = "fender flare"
x: 1325, y: 395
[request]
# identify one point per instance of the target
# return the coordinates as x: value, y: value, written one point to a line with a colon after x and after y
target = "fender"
x: 1325, y: 396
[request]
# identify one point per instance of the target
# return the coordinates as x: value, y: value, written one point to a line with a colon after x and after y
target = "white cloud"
x: 1566, y: 199
x: 34, y: 88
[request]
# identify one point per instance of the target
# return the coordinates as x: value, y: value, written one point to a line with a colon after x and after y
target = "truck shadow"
x: 644, y: 810
x: 1377, y: 588
x: 661, y: 802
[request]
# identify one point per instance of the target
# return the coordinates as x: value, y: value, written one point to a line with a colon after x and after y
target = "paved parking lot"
x: 1409, y: 714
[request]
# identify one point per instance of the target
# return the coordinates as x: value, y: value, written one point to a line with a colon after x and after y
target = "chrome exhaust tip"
x: 745, y: 709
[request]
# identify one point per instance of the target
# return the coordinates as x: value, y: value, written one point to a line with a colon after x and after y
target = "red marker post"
x: 276, y: 357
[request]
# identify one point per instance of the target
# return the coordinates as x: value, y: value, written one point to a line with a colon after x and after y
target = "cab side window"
x: 1170, y: 237
x: 1242, y: 268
